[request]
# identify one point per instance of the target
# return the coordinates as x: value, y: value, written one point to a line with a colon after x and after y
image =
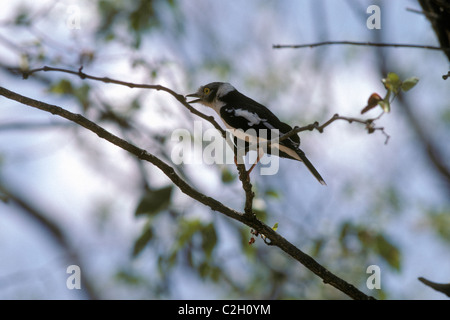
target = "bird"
x: 238, y: 111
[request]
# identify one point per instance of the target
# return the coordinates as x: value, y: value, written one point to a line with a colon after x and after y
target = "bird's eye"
x: 206, y: 90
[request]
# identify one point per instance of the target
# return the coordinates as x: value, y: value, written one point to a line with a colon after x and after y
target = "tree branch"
x: 248, y: 219
x: 310, y: 127
x: 357, y: 43
x: 441, y: 287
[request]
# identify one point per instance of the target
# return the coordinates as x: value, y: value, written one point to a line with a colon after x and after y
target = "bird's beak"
x: 195, y: 95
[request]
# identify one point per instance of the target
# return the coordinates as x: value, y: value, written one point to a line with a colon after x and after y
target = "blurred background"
x: 70, y: 198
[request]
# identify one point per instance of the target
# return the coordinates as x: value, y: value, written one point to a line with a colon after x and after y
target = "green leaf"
x: 275, y: 227
x: 318, y: 244
x: 64, y: 86
x: 385, y: 105
x: 389, y: 252
x: 440, y: 221
x: 394, y: 78
x: 187, y: 230
x: 245, y: 236
x: 380, y: 245
x: 227, y: 176
x: 392, y: 82
x: 143, y: 240
x: 154, y: 201
x: 129, y: 277
x: 409, y: 83
x: 272, y: 193
x: 82, y: 94
x: 209, y: 239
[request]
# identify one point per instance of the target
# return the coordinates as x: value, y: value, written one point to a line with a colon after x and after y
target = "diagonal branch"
x: 248, y: 219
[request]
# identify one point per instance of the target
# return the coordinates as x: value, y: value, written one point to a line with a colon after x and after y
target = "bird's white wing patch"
x: 268, y: 125
x: 252, y: 118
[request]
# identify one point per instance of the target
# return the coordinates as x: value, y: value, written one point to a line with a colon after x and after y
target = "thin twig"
x: 369, y: 123
x: 82, y: 75
x: 441, y: 287
x: 357, y: 43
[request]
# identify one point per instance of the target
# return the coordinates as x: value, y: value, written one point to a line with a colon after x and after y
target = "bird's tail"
x: 310, y: 166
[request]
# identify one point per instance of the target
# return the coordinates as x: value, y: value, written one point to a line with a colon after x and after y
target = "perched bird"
x: 238, y: 111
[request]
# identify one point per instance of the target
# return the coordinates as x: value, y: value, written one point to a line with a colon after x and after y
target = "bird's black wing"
x: 241, y: 112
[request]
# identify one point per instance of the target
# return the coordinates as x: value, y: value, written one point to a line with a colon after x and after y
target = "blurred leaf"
x: 440, y: 220
x: 370, y: 241
x: 186, y: 231
x: 137, y: 16
x: 394, y: 200
x: 129, y: 277
x: 380, y: 245
x: 317, y: 248
x: 245, y: 236
x: 108, y: 12
x: 143, y: 240
x: 209, y: 239
x: 142, y: 16
x: 64, y: 86
x: 272, y: 193
x: 203, y: 269
x: 154, y: 201
x: 409, y: 83
x: 388, y: 251
x: 227, y: 176
x: 82, y: 95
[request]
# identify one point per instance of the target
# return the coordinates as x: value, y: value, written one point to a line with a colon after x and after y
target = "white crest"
x: 224, y: 89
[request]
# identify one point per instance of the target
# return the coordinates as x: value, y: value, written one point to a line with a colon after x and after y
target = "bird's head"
x: 210, y: 93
